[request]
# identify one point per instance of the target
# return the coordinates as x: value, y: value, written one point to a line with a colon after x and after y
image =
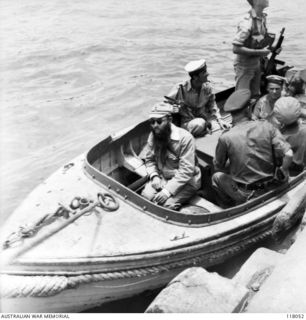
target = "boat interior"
x: 118, y: 163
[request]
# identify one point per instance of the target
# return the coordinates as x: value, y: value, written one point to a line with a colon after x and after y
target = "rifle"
x: 271, y: 63
x: 187, y: 109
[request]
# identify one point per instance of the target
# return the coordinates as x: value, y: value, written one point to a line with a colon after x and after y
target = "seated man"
x: 197, y: 102
x: 171, y: 162
x: 248, y: 147
x: 296, y: 89
x: 287, y: 111
x: 265, y: 104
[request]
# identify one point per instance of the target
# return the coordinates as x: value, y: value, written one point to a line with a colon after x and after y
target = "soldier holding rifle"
x: 252, y: 43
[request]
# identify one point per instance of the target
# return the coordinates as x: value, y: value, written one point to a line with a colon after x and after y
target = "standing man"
x: 198, y: 107
x: 252, y: 149
x: 250, y: 45
x: 264, y: 106
x: 171, y: 162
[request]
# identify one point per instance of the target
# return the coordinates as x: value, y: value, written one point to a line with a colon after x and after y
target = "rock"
x: 284, y: 291
x: 259, y: 265
x: 290, y: 214
x: 197, y: 291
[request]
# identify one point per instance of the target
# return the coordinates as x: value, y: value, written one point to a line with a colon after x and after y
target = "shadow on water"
x: 228, y: 269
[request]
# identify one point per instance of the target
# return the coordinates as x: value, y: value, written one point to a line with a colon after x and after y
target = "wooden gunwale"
x: 167, y: 215
x: 207, y: 246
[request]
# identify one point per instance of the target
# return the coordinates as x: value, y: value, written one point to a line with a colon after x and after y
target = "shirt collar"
x: 189, y: 87
x: 175, y: 135
x: 254, y: 16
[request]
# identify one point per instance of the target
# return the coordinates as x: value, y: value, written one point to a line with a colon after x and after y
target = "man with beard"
x: 170, y: 161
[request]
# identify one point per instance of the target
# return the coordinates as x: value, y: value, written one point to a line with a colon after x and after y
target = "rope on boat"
x: 15, y: 286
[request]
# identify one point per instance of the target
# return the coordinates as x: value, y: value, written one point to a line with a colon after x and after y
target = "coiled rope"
x: 15, y: 286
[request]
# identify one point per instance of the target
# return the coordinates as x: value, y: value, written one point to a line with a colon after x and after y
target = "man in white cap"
x: 198, y: 108
x: 264, y: 106
x: 248, y: 148
x: 287, y: 112
x: 250, y: 45
x: 170, y: 161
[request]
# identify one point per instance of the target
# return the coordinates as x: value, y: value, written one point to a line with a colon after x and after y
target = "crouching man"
x: 171, y: 162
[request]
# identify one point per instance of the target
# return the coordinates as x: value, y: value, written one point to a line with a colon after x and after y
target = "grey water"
x: 73, y: 72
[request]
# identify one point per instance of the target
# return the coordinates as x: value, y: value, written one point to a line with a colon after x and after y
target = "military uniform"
x: 251, y: 33
x: 199, y: 106
x: 287, y: 112
x: 248, y: 148
x: 202, y: 105
x: 264, y: 106
x: 180, y: 174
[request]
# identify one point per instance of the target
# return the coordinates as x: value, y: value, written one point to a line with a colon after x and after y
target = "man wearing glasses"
x: 170, y: 161
x: 197, y: 104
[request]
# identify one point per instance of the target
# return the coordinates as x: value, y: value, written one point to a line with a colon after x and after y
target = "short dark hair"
x: 298, y: 85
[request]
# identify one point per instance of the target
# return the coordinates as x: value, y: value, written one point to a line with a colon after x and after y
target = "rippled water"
x: 74, y: 71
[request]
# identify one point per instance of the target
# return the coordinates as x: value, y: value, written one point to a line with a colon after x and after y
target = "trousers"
x: 248, y: 78
x: 174, y: 202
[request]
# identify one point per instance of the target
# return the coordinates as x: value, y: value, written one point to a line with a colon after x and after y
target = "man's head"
x: 259, y: 3
x: 275, y: 86
x: 238, y: 101
x: 287, y: 111
x: 160, y: 120
x: 197, y: 70
x: 296, y: 86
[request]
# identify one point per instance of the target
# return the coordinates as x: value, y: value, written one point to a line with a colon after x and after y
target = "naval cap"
x: 237, y: 100
x: 160, y: 110
x: 273, y: 78
x: 287, y: 110
x: 195, y: 66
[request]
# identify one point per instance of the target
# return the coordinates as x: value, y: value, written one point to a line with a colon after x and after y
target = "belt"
x: 257, y: 185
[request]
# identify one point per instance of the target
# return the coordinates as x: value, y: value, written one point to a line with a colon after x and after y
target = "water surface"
x: 75, y: 71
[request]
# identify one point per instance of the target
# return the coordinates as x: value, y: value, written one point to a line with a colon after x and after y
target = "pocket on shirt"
x: 172, y: 160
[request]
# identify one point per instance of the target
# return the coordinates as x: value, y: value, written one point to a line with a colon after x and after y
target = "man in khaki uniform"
x: 171, y: 162
x: 198, y: 109
x: 287, y: 112
x: 247, y: 147
x: 250, y: 45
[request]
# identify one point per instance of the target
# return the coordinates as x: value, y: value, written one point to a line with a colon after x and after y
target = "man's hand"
x: 281, y: 174
x: 175, y: 108
x: 277, y: 51
x: 161, y: 197
x: 264, y: 52
x: 156, y: 183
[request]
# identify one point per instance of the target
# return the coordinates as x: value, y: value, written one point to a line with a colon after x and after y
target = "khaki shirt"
x: 202, y: 105
x: 263, y: 108
x: 246, y: 33
x: 248, y: 147
x: 180, y: 167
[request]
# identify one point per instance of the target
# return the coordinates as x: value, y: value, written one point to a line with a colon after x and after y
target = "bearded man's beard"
x: 161, y: 143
